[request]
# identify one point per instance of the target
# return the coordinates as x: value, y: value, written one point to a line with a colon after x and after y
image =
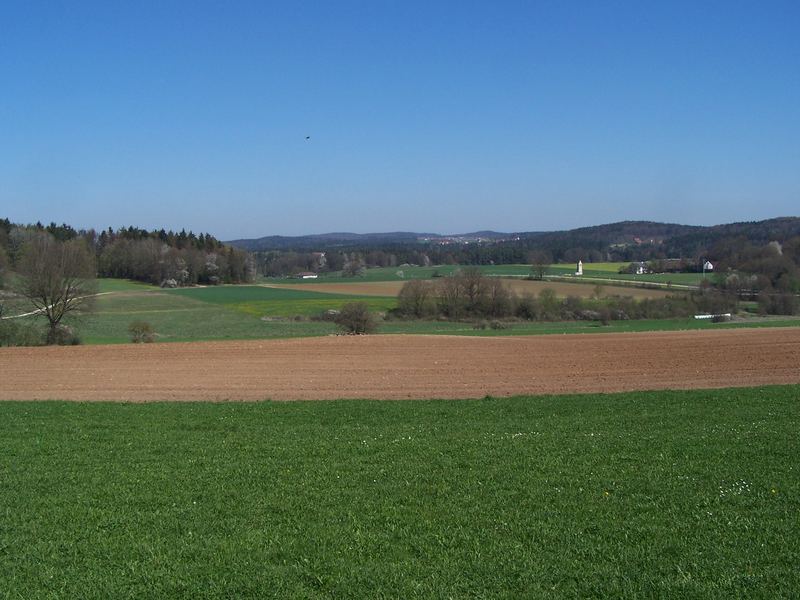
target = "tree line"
x: 160, y: 257
x: 470, y: 295
x: 54, y: 269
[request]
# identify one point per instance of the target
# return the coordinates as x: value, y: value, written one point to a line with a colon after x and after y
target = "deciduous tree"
x: 416, y: 298
x: 540, y: 261
x: 57, y: 277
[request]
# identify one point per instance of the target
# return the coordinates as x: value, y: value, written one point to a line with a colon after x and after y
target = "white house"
x: 707, y: 266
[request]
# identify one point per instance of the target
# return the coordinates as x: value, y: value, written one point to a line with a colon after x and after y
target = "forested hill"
x: 754, y: 232
x: 340, y: 239
x: 325, y: 240
x: 626, y: 240
x: 599, y: 235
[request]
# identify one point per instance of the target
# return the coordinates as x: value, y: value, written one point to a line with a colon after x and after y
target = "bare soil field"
x: 521, y: 286
x: 398, y: 367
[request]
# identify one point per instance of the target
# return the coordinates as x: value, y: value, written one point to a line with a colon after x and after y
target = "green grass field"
x: 591, y: 270
x: 563, y: 327
x: 262, y: 301
x: 255, y: 312
x: 178, y: 317
x: 235, y: 312
x: 667, y: 494
x: 105, y: 285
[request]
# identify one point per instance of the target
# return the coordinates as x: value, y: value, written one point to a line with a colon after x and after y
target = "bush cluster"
x: 17, y: 333
x: 356, y: 319
x: 142, y: 332
x: 470, y: 295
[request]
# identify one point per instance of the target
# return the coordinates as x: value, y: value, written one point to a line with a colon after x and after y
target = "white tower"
x: 580, y: 268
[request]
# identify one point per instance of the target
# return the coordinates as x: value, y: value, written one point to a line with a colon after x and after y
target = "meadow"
x: 255, y: 312
x: 604, y: 271
x: 679, y: 494
x: 216, y: 313
x: 273, y: 302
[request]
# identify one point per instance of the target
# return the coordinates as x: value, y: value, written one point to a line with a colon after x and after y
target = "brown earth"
x: 392, y: 288
x: 391, y: 366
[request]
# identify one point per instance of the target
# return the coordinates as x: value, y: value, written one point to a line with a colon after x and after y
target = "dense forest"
x: 159, y: 257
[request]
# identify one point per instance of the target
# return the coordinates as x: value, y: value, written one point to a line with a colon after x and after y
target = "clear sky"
x: 424, y: 116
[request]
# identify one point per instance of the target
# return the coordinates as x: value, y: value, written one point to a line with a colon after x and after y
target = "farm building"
x: 307, y: 275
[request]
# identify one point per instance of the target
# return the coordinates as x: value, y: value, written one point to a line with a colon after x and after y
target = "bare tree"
x: 416, y: 298
x: 3, y: 266
x: 540, y: 261
x: 474, y: 285
x: 57, y: 277
x: 450, y: 297
x: 498, y: 298
x: 3, y: 271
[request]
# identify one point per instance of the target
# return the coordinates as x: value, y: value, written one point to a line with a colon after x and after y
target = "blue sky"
x: 431, y: 116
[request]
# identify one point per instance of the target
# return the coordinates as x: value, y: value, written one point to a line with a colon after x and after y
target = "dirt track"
x: 402, y: 366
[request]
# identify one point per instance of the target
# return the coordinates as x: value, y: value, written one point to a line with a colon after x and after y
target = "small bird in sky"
x: 308, y: 137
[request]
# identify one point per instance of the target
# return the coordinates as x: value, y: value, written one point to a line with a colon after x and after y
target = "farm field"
x: 659, y: 494
x: 106, y: 285
x: 257, y: 312
x: 520, y: 286
x: 177, y: 317
x: 266, y: 301
x: 606, y: 271
x: 568, y: 327
x: 398, y: 367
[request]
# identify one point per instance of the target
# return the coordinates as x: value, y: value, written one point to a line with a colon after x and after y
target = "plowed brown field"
x: 520, y: 286
x: 387, y: 367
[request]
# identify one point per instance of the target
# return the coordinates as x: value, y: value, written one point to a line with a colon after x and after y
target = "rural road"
x: 398, y: 367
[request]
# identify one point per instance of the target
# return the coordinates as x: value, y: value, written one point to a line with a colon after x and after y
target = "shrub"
x: 776, y: 303
x: 355, y: 319
x: 497, y: 325
x: 13, y: 333
x: 62, y: 335
x: 526, y: 307
x: 142, y: 332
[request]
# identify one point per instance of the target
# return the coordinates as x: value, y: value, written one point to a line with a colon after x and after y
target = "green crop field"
x: 105, y: 285
x: 611, y: 271
x: 590, y: 270
x: 262, y: 301
x: 212, y: 313
x: 255, y: 312
x: 662, y: 494
x: 562, y: 327
x: 184, y: 317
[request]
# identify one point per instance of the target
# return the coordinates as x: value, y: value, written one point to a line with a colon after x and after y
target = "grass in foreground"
x: 628, y: 495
